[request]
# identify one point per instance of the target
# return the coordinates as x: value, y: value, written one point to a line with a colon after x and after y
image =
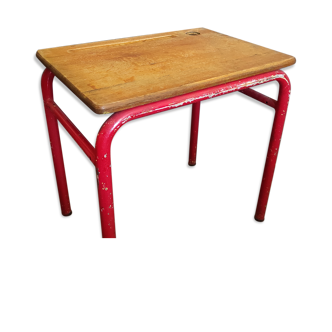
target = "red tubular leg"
x: 53, y: 131
x: 104, y: 179
x: 272, y: 154
x: 194, y: 133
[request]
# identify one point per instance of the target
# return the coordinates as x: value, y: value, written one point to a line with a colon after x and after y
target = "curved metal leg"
x: 53, y: 131
x: 104, y: 181
x: 274, y: 147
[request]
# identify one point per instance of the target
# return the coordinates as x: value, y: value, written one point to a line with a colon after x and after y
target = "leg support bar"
x: 260, y: 97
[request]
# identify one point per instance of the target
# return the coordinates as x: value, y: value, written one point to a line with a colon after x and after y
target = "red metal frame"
x: 100, y: 156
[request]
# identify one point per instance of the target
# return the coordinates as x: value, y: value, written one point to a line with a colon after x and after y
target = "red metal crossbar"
x: 100, y: 156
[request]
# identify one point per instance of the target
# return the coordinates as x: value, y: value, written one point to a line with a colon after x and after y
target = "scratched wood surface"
x: 113, y: 75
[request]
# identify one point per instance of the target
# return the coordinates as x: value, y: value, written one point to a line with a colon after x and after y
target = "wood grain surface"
x: 113, y: 75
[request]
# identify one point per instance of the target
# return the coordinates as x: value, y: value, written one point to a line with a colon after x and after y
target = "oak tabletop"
x: 113, y: 75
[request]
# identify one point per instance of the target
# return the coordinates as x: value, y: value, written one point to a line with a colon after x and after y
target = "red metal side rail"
x: 260, y: 96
